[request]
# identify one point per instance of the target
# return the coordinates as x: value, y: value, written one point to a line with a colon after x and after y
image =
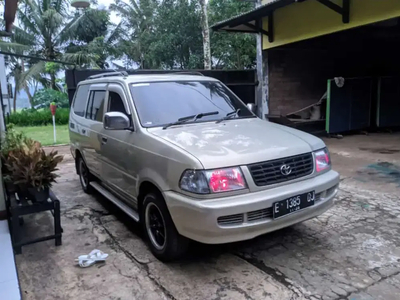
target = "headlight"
x: 212, y: 181
x: 322, y: 160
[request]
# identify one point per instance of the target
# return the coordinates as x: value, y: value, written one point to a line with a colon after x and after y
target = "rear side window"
x: 94, y: 110
x: 81, y: 96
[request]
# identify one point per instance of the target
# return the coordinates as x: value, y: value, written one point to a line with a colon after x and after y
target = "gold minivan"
x: 184, y: 155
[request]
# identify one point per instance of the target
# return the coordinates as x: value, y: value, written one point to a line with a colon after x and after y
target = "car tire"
x: 85, y: 177
x: 164, y: 241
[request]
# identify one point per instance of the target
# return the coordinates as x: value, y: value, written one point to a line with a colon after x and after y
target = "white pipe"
x: 54, y: 129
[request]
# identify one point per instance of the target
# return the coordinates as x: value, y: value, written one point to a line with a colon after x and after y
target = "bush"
x: 44, y: 97
x: 33, y: 117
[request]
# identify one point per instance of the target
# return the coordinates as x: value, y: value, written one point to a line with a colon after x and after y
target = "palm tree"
x: 46, y: 26
x: 103, y: 47
x: 138, y: 21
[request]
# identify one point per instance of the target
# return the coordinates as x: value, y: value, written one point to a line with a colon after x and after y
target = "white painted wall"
x: 3, y: 82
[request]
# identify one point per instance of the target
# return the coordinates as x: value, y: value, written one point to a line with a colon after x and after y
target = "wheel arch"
x: 145, y: 187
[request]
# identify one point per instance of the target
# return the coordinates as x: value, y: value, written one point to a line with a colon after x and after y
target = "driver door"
x: 118, y: 152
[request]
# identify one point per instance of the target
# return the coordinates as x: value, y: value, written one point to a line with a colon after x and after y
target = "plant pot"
x: 22, y: 191
x: 10, y: 187
x: 39, y: 196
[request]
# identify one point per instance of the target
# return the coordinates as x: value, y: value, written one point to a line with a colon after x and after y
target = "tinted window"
x: 81, y: 96
x: 94, y: 110
x: 115, y: 103
x: 160, y: 103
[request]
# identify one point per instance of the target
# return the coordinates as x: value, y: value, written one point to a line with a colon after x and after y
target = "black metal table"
x: 20, y: 207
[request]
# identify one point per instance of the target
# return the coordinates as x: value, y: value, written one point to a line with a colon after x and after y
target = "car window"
x: 115, y: 103
x: 94, y: 110
x: 160, y: 103
x: 81, y: 96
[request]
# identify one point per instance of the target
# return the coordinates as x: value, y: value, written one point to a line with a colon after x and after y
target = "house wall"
x: 308, y: 19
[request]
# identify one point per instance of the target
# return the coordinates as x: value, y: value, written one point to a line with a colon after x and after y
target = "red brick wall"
x: 296, y: 79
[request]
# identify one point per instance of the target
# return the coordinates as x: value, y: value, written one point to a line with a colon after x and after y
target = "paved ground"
x: 351, y: 252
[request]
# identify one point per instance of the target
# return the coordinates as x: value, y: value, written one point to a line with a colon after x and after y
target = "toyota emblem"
x: 286, y: 170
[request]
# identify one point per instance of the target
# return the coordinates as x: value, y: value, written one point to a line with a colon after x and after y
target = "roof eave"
x: 254, y: 15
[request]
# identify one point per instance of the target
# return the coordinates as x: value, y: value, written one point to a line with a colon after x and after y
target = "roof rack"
x: 108, y: 74
x: 188, y: 73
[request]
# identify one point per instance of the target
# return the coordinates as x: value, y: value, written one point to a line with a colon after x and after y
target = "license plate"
x: 293, y: 204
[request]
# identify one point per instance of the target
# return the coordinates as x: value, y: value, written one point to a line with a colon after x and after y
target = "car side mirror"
x: 252, y: 107
x: 116, y: 121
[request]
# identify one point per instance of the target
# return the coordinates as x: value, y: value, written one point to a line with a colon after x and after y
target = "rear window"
x: 81, y: 97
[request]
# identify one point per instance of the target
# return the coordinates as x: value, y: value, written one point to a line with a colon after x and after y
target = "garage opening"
x: 345, y: 81
x: 327, y: 65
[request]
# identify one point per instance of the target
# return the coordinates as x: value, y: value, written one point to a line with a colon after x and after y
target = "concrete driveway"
x: 350, y: 252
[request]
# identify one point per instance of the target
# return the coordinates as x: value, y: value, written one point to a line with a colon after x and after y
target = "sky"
x: 113, y: 16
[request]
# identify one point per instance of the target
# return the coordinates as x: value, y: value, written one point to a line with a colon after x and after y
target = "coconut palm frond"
x: 70, y: 29
x: 33, y: 72
x: 115, y: 34
x: 23, y: 37
x: 80, y: 58
x: 13, y: 47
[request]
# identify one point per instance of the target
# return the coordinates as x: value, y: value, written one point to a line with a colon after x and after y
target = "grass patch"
x: 44, y: 134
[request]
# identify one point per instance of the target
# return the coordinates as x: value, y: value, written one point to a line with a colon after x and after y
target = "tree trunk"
x: 206, y: 35
x: 26, y: 87
x: 15, y: 98
x: 53, y: 81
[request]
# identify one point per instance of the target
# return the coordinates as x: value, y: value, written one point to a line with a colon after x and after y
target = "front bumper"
x: 198, y: 219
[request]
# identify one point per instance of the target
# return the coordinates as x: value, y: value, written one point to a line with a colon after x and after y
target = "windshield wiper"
x: 229, y: 115
x: 191, y: 118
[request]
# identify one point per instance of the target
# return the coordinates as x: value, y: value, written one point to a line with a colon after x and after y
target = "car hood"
x: 238, y: 142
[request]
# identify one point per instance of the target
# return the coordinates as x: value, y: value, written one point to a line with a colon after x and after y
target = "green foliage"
x: 32, y: 117
x: 31, y: 166
x: 44, y: 97
x: 161, y: 34
x: 93, y: 23
x: 178, y: 40
x: 138, y: 22
x: 25, y: 163
x: 52, y: 67
x: 12, y: 141
x: 231, y: 50
x: 167, y: 34
x: 46, y: 28
x: 94, y: 37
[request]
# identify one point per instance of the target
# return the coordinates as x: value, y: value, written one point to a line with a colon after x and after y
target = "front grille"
x: 230, y: 220
x: 258, y: 215
x: 269, y: 172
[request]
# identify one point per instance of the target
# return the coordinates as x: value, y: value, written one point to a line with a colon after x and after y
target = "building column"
x: 262, y: 76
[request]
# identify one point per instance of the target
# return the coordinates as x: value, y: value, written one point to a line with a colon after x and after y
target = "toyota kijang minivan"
x: 183, y: 155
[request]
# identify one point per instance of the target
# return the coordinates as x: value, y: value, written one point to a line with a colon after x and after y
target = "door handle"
x: 104, y: 140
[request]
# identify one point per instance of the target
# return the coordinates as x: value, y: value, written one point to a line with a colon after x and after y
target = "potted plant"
x: 33, y: 168
x: 11, y: 142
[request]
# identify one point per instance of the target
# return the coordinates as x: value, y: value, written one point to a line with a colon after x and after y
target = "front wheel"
x: 164, y: 240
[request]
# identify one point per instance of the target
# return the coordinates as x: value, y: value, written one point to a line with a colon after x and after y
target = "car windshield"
x: 161, y: 103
